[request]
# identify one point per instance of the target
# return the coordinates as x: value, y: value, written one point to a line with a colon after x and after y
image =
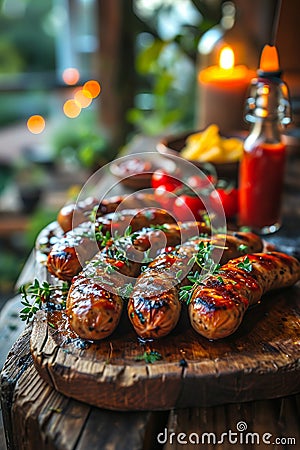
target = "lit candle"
x: 222, y: 93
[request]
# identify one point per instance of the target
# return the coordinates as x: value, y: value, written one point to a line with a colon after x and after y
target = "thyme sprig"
x: 35, y: 294
x: 102, y: 238
x: 203, y: 258
x: 149, y: 357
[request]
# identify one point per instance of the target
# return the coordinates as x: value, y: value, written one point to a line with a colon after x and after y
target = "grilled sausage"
x: 154, y: 306
x: 83, y: 210
x: 65, y: 257
x: 117, y: 222
x: 79, y: 212
x: 217, y: 309
x: 93, y: 309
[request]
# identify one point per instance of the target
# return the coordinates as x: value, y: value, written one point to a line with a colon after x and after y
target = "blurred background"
x: 139, y: 61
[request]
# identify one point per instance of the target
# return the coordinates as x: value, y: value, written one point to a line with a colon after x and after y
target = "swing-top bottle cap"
x: 268, y: 95
x: 269, y: 63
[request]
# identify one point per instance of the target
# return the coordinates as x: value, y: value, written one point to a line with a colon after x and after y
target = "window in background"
x: 38, y: 40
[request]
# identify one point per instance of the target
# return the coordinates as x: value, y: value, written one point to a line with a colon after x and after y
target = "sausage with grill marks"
x: 154, y: 306
x: 73, y: 214
x: 217, y: 309
x: 65, y: 257
x: 93, y: 305
x: 93, y: 309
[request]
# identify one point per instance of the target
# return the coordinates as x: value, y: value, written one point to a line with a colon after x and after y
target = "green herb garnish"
x: 102, y: 238
x: 208, y: 267
x: 159, y: 227
x: 93, y: 214
x: 39, y: 294
x: 147, y: 258
x: 128, y: 231
x: 178, y: 274
x: 245, y: 265
x: 126, y: 290
x: 243, y: 248
x: 149, y: 357
x: 245, y: 229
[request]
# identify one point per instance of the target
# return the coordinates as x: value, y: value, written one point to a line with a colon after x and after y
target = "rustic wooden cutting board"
x: 261, y: 360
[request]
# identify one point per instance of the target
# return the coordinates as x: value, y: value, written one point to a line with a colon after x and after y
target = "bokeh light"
x: 36, y: 124
x: 71, y: 76
x: 92, y: 88
x: 83, y: 97
x: 72, y: 108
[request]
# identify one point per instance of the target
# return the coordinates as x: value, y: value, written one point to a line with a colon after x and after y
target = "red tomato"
x: 187, y: 207
x: 165, y: 198
x: 197, y: 182
x: 161, y: 178
x: 229, y: 200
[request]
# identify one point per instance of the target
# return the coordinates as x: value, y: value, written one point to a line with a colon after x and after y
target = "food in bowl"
x: 136, y: 171
x: 210, y: 146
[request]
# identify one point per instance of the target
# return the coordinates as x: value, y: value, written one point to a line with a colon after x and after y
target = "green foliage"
x: 167, y: 69
x: 164, y: 90
x: 82, y: 141
x: 20, y: 27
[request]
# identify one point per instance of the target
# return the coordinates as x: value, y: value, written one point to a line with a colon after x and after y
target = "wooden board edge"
x: 146, y: 387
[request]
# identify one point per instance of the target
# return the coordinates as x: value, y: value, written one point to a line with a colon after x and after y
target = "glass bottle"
x: 262, y: 167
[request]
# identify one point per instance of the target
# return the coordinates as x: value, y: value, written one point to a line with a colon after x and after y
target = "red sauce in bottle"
x: 262, y: 166
x: 261, y: 184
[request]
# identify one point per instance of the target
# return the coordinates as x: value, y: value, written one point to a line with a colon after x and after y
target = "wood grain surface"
x: 36, y: 416
x: 261, y: 360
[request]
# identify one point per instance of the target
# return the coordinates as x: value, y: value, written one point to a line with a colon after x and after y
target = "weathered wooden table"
x: 36, y: 416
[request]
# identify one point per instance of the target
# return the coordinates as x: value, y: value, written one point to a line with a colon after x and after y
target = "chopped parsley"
x: 245, y: 265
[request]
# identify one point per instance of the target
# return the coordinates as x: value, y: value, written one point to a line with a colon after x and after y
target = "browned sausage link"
x: 135, y: 218
x: 154, y: 305
x: 170, y: 234
x: 84, y: 208
x: 63, y: 259
x: 217, y: 309
x: 93, y: 310
x: 237, y: 243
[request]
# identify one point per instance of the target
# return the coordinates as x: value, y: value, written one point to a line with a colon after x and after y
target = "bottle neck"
x: 265, y: 130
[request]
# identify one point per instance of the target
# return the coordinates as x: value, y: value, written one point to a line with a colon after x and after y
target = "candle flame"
x: 226, y: 60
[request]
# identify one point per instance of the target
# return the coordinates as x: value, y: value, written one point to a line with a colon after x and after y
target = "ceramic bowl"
x: 173, y: 145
